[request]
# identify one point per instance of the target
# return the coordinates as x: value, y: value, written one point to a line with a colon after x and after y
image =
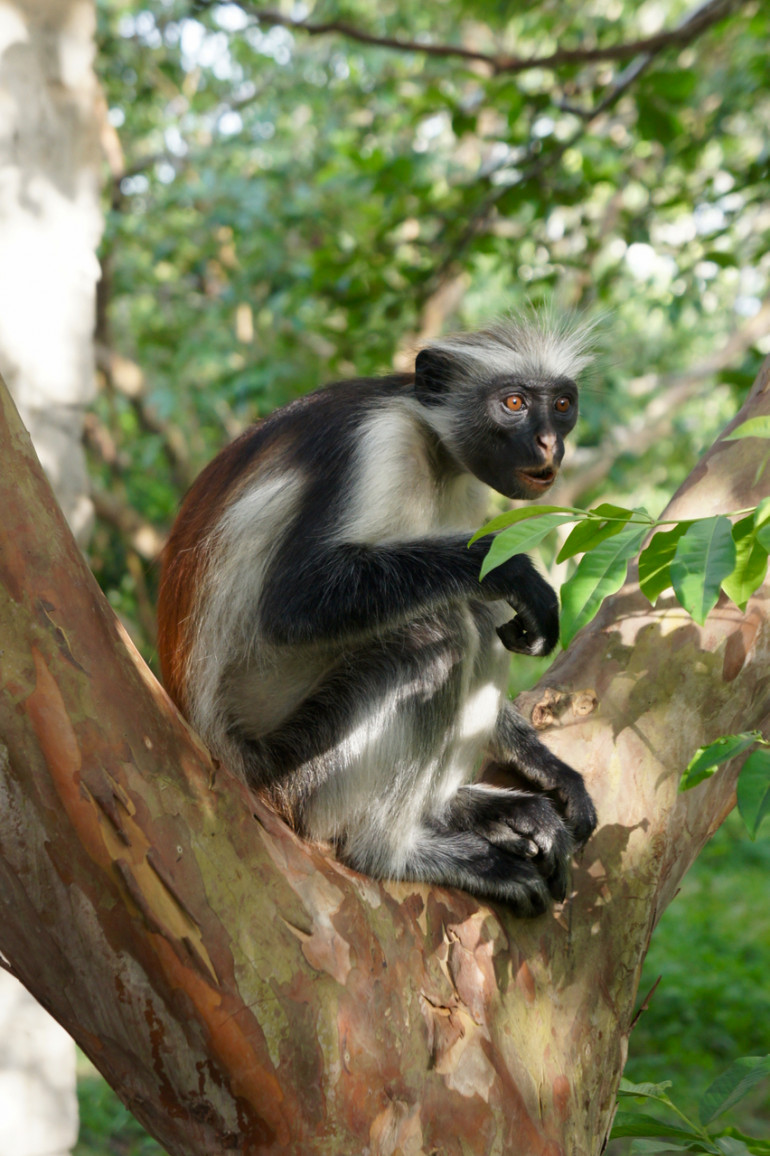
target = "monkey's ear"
x: 432, y: 376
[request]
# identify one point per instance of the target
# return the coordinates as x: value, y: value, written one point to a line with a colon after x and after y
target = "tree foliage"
x: 299, y: 195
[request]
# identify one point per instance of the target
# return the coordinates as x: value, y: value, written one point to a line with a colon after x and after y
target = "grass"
x: 712, y: 952
x: 107, y: 1128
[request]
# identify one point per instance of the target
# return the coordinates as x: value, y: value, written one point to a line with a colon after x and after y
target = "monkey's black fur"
x: 323, y: 625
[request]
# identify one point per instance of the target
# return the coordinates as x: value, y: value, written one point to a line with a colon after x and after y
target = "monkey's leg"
x: 516, y: 742
x: 505, y: 871
x: 357, y: 759
x: 525, y: 825
x: 506, y: 845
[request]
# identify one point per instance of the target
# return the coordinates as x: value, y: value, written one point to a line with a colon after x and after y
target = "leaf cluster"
x: 676, y: 1132
x: 697, y: 558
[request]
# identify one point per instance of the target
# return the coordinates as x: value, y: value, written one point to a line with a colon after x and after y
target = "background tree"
x: 50, y: 225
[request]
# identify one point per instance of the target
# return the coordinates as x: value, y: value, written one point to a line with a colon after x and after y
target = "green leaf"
x: 653, y: 1147
x: 655, y: 1091
x: 755, y: 427
x: 677, y: 84
x: 761, y: 467
x: 655, y: 561
x: 706, y: 760
x: 732, y: 1085
x: 752, y: 1144
x: 731, y: 1146
x: 520, y: 539
x: 640, y: 1124
x: 599, y: 574
x: 511, y: 517
x: 762, y: 524
x: 762, y: 513
x: 754, y: 789
x: 750, y: 563
x: 725, y: 261
x: 607, y: 521
x: 705, y: 555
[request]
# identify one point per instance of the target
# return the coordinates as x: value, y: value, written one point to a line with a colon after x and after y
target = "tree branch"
x: 500, y: 63
x: 534, y: 167
x: 126, y: 377
x: 241, y: 989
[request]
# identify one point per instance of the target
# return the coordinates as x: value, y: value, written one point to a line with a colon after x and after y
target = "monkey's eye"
x: 563, y: 404
x: 514, y: 403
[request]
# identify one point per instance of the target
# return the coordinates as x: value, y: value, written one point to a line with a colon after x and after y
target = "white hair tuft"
x: 536, y: 344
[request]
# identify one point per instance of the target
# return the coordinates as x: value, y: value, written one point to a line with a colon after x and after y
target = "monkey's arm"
x: 352, y: 590
x: 515, y: 742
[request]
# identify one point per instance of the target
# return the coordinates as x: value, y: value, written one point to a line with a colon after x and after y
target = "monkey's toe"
x: 528, y: 822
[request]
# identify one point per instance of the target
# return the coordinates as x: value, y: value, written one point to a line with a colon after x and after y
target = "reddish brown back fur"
x: 184, y: 556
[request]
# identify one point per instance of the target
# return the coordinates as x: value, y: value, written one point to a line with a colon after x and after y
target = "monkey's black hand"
x: 515, y: 637
x: 530, y: 826
x: 575, y: 804
x: 535, y: 629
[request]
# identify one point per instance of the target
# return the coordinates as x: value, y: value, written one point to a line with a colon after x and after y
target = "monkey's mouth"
x: 537, y: 480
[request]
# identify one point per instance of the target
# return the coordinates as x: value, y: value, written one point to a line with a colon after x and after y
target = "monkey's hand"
x: 574, y: 803
x: 515, y: 637
x: 520, y: 759
x: 535, y: 629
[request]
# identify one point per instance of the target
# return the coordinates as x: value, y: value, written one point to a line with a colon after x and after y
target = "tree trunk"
x: 244, y: 992
x: 50, y: 224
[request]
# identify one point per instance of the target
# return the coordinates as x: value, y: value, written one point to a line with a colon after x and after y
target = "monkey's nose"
x: 547, y: 443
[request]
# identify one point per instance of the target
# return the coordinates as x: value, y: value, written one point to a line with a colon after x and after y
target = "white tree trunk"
x: 50, y: 224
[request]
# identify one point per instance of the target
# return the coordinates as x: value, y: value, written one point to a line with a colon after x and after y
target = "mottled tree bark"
x: 244, y: 992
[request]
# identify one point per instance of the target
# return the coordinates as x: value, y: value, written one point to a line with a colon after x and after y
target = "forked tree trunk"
x: 245, y: 993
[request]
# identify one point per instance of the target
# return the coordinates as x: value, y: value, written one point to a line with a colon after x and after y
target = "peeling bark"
x: 244, y: 992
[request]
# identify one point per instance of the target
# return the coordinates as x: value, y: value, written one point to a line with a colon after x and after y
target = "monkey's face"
x: 516, y: 444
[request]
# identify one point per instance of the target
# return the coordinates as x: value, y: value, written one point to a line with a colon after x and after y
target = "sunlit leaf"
x: 708, y: 758
x: 705, y: 555
x: 511, y: 517
x: 655, y: 561
x: 754, y: 789
x: 750, y: 563
x: 762, y: 523
x: 520, y: 539
x: 762, y: 513
x: 587, y: 534
x: 599, y: 574
x: 755, y: 427
x: 655, y: 1091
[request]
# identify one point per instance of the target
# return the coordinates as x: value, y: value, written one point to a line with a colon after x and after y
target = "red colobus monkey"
x: 323, y: 627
